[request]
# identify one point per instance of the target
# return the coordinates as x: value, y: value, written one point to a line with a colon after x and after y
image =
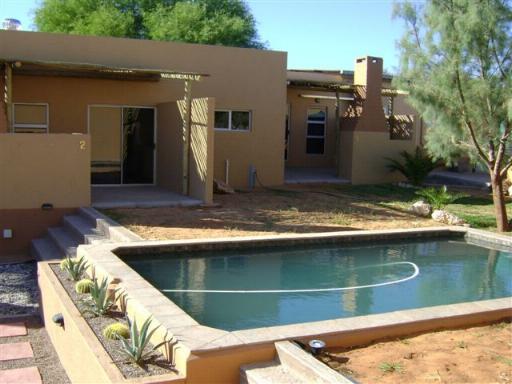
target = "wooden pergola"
x: 111, y: 72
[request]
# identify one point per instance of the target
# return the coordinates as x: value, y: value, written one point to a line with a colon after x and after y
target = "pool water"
x: 347, y: 280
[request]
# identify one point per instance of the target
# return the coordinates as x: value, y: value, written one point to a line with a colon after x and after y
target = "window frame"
x: 308, y: 136
x: 230, y: 120
x: 46, y: 126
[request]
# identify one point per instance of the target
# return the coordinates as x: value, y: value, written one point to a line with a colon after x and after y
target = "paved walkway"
x: 17, y: 351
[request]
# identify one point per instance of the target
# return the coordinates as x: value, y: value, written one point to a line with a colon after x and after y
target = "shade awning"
x: 74, y: 69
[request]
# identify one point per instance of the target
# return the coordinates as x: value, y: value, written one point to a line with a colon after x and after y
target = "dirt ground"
x: 263, y: 212
x: 474, y: 355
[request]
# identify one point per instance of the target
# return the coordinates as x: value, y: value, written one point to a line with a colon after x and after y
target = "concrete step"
x: 82, y: 229
x: 304, y: 365
x: 291, y: 365
x: 64, y: 240
x: 268, y: 373
x: 44, y: 249
x: 105, y: 225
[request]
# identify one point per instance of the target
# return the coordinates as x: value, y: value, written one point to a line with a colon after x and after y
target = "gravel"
x: 19, y: 293
x: 157, y: 365
x: 45, y: 357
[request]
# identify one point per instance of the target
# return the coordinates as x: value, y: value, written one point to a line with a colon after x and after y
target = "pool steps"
x: 291, y: 365
x: 86, y: 226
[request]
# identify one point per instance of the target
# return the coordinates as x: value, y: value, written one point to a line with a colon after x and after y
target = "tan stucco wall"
x: 239, y: 79
x: 26, y: 224
x: 297, y: 156
x: 41, y: 168
x: 368, y: 156
x: 169, y: 148
x: 201, y: 149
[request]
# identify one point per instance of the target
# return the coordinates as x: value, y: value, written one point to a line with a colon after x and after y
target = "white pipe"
x: 415, y: 273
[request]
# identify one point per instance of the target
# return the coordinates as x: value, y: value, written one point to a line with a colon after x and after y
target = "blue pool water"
x: 241, y: 289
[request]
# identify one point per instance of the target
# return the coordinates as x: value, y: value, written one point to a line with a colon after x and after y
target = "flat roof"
x: 76, y: 69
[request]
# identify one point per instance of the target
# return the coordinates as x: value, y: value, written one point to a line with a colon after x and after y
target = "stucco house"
x: 81, y: 113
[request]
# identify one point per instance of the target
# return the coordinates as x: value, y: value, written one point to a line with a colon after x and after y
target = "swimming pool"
x: 267, y: 286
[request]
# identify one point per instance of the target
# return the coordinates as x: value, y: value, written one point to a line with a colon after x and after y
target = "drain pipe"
x: 252, y: 177
x: 226, y: 171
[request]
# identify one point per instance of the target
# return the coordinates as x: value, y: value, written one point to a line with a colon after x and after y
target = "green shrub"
x: 74, y: 267
x: 99, y: 302
x: 116, y: 331
x: 415, y: 166
x: 439, y: 198
x: 135, y: 348
x: 84, y: 286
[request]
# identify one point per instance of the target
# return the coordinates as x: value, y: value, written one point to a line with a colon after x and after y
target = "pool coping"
x: 201, y: 339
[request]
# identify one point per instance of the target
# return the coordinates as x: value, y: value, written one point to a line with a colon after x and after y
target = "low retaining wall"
x: 79, y: 350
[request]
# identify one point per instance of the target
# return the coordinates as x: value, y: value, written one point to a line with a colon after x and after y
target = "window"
x: 233, y: 120
x: 315, y: 137
x: 30, y: 117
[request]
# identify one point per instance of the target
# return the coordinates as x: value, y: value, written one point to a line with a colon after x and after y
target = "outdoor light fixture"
x: 58, y: 319
x: 316, y: 346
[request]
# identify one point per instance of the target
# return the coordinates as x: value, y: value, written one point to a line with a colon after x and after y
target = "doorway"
x: 122, y: 145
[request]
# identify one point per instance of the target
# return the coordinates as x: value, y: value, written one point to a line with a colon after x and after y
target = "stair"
x: 87, y: 226
x: 291, y: 365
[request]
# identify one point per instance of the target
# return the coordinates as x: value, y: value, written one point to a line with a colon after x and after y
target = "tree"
x: 456, y: 62
x: 218, y: 22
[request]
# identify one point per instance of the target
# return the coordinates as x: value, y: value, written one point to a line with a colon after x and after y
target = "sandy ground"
x: 474, y: 355
x: 266, y: 212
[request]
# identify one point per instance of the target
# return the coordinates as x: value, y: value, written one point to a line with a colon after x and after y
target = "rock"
x: 446, y: 217
x: 222, y: 188
x: 421, y: 208
x: 510, y: 190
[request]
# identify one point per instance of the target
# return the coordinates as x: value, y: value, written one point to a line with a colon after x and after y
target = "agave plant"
x: 439, y: 198
x: 99, y: 302
x: 74, y: 267
x: 135, y: 347
x: 415, y: 166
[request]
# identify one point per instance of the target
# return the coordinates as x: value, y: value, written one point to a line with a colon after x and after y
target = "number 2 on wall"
x: 82, y: 145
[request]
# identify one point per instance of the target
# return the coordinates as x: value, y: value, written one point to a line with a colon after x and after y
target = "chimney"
x: 368, y: 74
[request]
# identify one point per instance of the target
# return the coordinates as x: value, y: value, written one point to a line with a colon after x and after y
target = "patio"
x: 138, y: 197
x: 312, y: 175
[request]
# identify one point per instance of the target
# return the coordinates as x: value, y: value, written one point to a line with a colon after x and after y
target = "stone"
x: 446, y: 217
x: 510, y: 190
x: 421, y: 208
x: 222, y: 188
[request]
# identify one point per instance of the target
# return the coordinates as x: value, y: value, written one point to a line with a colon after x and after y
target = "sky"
x: 317, y: 34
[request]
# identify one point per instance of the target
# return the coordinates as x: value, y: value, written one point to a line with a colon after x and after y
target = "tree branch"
x: 468, y: 123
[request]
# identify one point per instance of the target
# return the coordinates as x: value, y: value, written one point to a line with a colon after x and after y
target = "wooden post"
x: 8, y: 96
x: 337, y: 147
x: 186, y: 135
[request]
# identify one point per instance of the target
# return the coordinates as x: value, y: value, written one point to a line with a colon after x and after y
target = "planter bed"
x: 83, y: 330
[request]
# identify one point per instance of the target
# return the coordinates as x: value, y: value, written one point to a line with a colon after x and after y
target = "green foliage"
x: 84, y: 286
x: 74, y: 267
x: 99, y: 302
x: 391, y: 367
x: 456, y: 65
x: 116, y: 331
x: 439, y: 198
x: 218, y: 22
x: 415, y: 166
x: 135, y: 348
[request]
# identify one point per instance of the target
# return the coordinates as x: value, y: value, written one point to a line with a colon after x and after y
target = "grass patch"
x: 503, y: 359
x: 391, y: 367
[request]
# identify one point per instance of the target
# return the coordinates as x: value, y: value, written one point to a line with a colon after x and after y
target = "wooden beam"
x: 8, y: 96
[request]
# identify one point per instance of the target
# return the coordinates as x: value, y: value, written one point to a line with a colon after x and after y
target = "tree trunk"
x: 499, y: 202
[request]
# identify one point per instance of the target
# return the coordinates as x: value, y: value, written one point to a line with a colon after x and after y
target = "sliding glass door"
x: 122, y: 145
